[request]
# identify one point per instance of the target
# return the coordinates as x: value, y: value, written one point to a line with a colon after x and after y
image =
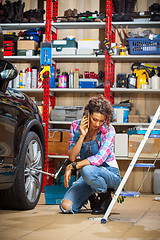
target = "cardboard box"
x: 121, y: 145
x: 138, y: 118
x: 26, y: 45
x: 58, y: 141
x: 150, y: 149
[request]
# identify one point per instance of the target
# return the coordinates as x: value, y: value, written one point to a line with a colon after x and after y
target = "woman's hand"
x: 84, y: 126
x: 67, y: 175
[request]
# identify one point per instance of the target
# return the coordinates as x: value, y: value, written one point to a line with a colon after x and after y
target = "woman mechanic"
x: 92, y: 138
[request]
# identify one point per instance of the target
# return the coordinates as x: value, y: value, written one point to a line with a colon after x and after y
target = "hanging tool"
x: 51, y: 174
x: 108, y: 47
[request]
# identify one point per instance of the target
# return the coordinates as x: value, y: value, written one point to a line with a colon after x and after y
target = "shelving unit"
x: 109, y: 62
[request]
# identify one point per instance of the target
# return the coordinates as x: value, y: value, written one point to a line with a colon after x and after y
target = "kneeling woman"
x: 93, y: 139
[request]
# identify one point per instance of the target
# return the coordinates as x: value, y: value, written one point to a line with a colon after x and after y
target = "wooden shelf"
x: 117, y: 158
x: 22, y: 58
x: 90, y: 58
x: 21, y: 26
x: 37, y: 90
x: 113, y: 123
x: 79, y: 25
x: 132, y: 90
x: 137, y: 58
x: 143, y: 24
x: 64, y: 90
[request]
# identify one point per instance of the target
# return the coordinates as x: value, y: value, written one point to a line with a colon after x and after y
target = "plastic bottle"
x: 122, y: 50
x: 155, y: 82
x: 52, y: 79
x: 34, y: 78
x: 76, y: 78
x: 29, y: 77
x: 24, y: 76
x: 71, y: 79
x: 21, y: 79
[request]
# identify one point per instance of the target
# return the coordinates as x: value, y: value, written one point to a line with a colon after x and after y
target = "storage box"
x: 90, y: 44
x: 27, y: 53
x: 121, y: 145
x: 58, y: 141
x: 88, y: 83
x: 26, y: 45
x: 9, y: 48
x: 138, y: 118
x: 85, y: 51
x: 64, y: 51
x: 150, y: 149
x: 143, y: 46
x: 66, y: 113
x: 59, y: 44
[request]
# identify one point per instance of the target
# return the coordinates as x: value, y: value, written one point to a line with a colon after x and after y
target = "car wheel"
x: 25, y: 192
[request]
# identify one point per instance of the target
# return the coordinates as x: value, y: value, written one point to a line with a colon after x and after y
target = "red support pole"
x: 46, y: 87
x: 46, y: 82
x: 108, y: 31
x: 45, y: 120
x: 48, y: 20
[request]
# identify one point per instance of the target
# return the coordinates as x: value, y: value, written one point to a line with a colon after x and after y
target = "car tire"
x: 25, y: 192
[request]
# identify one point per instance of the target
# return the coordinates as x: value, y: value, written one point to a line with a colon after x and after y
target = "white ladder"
x: 131, y: 165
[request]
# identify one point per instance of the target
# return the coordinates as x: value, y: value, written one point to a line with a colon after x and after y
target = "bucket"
x: 120, y: 114
x: 156, y: 181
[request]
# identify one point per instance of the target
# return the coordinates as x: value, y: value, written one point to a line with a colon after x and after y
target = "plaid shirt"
x: 106, y: 144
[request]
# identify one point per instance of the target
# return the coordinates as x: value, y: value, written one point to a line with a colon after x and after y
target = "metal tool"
x: 51, y: 174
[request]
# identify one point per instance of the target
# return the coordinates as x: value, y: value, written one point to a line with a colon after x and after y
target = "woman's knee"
x: 66, y: 204
x: 88, y: 172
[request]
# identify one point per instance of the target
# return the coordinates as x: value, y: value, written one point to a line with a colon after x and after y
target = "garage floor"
x: 136, y: 218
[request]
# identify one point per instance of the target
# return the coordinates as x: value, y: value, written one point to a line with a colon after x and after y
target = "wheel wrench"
x: 51, y: 174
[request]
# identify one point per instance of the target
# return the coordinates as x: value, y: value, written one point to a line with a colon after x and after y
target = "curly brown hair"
x: 100, y: 105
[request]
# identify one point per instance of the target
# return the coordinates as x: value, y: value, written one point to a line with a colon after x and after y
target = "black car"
x: 22, y: 145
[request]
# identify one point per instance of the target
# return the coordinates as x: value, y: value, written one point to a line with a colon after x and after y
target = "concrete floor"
x: 136, y: 218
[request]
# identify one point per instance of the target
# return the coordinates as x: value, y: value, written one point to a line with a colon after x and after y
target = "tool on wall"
x: 143, y: 73
x: 108, y: 47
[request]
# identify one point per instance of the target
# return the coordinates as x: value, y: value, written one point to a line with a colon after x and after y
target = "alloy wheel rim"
x: 33, y: 162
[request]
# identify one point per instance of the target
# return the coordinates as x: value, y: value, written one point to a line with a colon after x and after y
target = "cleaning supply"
x: 76, y: 78
x: 52, y: 79
x: 155, y: 82
x: 122, y: 50
x: 24, y: 74
x: 71, y: 79
x: 62, y: 81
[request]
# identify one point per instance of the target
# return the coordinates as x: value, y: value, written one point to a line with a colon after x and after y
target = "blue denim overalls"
x: 93, y: 178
